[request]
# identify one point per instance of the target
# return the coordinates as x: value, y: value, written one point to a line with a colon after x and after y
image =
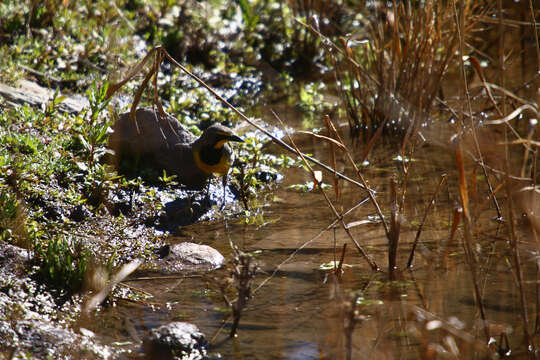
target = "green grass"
x: 62, y: 263
x: 53, y: 162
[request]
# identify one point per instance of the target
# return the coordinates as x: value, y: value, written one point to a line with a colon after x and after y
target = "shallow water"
x: 301, y: 312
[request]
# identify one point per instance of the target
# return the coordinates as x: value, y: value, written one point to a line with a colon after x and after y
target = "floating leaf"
x: 331, y: 265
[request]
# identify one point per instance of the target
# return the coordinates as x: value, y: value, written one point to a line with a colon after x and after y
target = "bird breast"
x: 212, y: 160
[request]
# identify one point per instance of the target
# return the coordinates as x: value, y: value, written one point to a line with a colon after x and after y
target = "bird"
x: 163, y: 143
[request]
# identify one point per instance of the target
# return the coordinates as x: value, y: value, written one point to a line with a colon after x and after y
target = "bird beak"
x: 235, y: 138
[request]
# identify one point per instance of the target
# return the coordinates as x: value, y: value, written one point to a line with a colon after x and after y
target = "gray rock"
x: 42, y: 339
x: 28, y: 318
x: 176, y: 340
x: 188, y: 256
x: 12, y: 259
x: 28, y: 92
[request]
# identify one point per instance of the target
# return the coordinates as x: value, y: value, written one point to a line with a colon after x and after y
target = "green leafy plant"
x: 308, y: 186
x: 254, y: 169
x: 62, y: 263
x: 95, y: 128
x: 248, y: 14
x: 168, y: 180
x: 8, y: 212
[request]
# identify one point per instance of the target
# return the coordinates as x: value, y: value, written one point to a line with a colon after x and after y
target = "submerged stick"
x: 463, y: 192
x: 370, y: 261
x: 411, y: 256
x: 293, y: 254
x: 395, y: 227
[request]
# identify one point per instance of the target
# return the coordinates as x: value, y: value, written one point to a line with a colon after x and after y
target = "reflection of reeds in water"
x: 394, y: 78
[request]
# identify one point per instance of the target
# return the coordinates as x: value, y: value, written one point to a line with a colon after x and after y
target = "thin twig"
x: 411, y: 256
x: 370, y: 261
x: 362, y: 180
x: 296, y: 251
x: 463, y: 191
x: 517, y: 260
x: 460, y: 24
x: 275, y: 139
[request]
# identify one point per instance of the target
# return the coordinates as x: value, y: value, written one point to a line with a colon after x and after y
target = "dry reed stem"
x: 505, y: 22
x: 536, y: 241
x: 364, y: 254
x: 530, y: 143
x: 484, y: 204
x: 463, y: 191
x: 426, y: 213
x: 517, y: 261
x: 395, y: 227
x: 535, y: 32
x: 533, y: 167
x: 456, y: 218
x: 460, y: 27
x: 329, y: 127
x: 510, y: 210
x: 478, y: 69
x: 335, y: 247
x: 362, y: 180
x: 469, y: 255
x: 165, y: 55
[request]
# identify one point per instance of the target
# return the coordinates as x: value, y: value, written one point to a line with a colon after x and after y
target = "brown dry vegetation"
x: 459, y: 78
x: 443, y: 74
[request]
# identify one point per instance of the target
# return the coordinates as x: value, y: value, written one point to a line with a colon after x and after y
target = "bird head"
x: 216, y: 136
x: 210, y: 153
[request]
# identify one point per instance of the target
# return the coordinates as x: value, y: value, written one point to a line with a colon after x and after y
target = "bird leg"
x: 224, y: 183
x: 208, y: 197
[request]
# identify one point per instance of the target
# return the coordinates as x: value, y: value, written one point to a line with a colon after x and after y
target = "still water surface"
x: 301, y: 312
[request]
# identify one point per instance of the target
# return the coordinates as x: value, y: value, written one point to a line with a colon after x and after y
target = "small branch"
x: 430, y: 205
x: 370, y: 261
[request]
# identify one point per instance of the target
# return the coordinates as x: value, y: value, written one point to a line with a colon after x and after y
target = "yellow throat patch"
x: 221, y: 168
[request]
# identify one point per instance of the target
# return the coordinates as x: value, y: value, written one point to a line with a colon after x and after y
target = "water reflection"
x: 303, y: 312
